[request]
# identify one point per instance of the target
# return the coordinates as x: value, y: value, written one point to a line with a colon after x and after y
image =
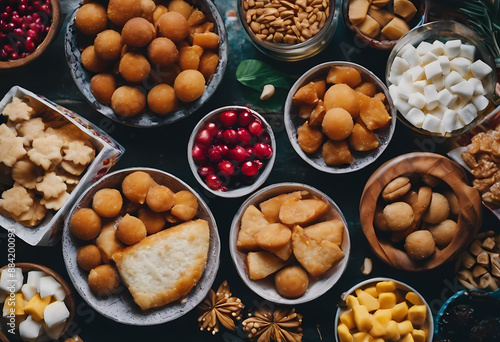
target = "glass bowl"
x: 265, y: 287
x: 293, y: 121
x: 299, y: 51
x: 74, y: 42
x: 243, y: 189
x: 444, y: 31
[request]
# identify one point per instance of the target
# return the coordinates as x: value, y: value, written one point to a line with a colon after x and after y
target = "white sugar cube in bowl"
x: 441, y: 78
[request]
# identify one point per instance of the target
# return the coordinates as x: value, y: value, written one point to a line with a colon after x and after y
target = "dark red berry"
x: 249, y: 169
x: 226, y: 168
x: 211, y: 128
x: 199, y: 153
x: 238, y: 154
x: 228, y: 118
x: 244, y: 136
x: 249, y: 150
x: 265, y: 138
x: 213, y: 182
x: 224, y: 149
x: 255, y: 128
x: 204, y: 171
x: 258, y: 163
x: 204, y: 138
x: 262, y: 151
x: 230, y: 137
x: 244, y: 118
x: 218, y: 135
x: 214, y: 154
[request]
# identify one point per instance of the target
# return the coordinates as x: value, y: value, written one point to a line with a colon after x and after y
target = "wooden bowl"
x: 469, y: 217
x: 54, y: 27
x: 69, y: 301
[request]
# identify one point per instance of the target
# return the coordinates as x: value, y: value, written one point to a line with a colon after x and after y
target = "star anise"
x: 280, y: 325
x: 220, y: 307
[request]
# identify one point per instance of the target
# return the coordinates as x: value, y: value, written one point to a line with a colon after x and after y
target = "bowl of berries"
x: 231, y: 151
x: 27, y: 27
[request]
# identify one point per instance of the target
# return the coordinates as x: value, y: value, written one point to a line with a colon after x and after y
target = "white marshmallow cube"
x: 399, y: 66
x: 464, y: 90
x: 48, y: 286
x: 480, y: 102
x: 55, y: 313
x: 449, y: 120
x: 444, y: 61
x: 393, y: 91
x: 461, y: 65
x: 28, y: 291
x: 417, y: 100
x: 433, y: 69
x: 468, y: 113
x: 423, y: 48
x: 411, y: 56
x: 11, y: 279
x: 29, y: 329
x: 416, y: 72
x: 452, y: 48
x: 56, y: 331
x: 405, y: 48
x: 468, y: 51
x: 431, y: 97
x: 437, y: 48
x: 403, y: 106
x: 446, y: 98
x: 416, y: 117
x: 34, y: 278
x: 480, y: 69
x: 478, y: 86
x: 60, y: 294
x: 394, y: 78
x: 432, y: 124
x: 420, y: 85
x: 438, y: 82
x: 452, y: 78
x: 429, y: 57
x: 438, y: 112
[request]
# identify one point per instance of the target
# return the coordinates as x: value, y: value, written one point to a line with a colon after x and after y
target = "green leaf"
x: 256, y: 74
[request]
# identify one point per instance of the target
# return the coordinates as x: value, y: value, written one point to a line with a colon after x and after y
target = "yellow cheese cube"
x: 407, y: 338
x: 418, y: 335
x: 367, y: 300
x: 363, y: 320
x: 392, y: 331
x: 19, y: 304
x: 383, y: 316
x: 417, y: 314
x: 386, y: 286
x: 36, y: 306
x: 362, y: 337
x: 378, y: 329
x: 348, y: 319
x: 372, y: 291
x: 405, y: 327
x: 414, y: 298
x: 344, y: 333
x: 387, y: 300
x: 351, y: 301
x: 399, y: 311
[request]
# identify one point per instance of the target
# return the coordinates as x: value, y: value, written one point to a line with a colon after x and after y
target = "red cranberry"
x: 214, y: 154
x: 255, y: 128
x: 32, y: 33
x: 258, y: 163
x: 245, y: 118
x: 19, y: 32
x: 228, y: 118
x: 230, y: 136
x: 37, y: 5
x: 224, y: 149
x: 204, y: 138
x: 46, y: 8
x: 14, y: 55
x: 199, y: 153
x: 226, y: 168
x: 218, y: 136
x: 213, y: 182
x: 262, y: 151
x: 29, y: 45
x: 265, y: 138
x: 211, y: 128
x: 244, y: 136
x: 249, y: 169
x: 4, y: 16
x: 249, y: 150
x: 204, y: 171
x: 238, y: 154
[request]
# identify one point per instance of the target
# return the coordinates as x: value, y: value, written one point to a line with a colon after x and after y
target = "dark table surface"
x: 165, y: 148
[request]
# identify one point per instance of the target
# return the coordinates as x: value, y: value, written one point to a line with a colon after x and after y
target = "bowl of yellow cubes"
x: 383, y: 309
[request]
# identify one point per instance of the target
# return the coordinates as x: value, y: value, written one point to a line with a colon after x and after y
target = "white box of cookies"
x: 48, y: 156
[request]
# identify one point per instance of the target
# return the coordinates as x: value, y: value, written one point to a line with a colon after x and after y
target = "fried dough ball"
x: 438, y: 210
x: 291, y: 281
x: 130, y: 230
x: 337, y: 124
x: 420, y: 245
x: 88, y: 257
x: 136, y: 186
x: 162, y: 51
x: 158, y: 12
x: 398, y: 215
x: 189, y: 85
x: 91, y: 19
x: 121, y: 11
x: 91, y: 61
x: 154, y: 222
x: 104, y: 280
x: 108, y: 45
x: 128, y: 101
x: 107, y: 202
x: 85, y: 224
x: 134, y: 67
x: 174, y: 26
x: 138, y: 32
x: 342, y: 96
x: 208, y: 63
x: 185, y: 205
x: 103, y: 86
x: 444, y: 232
x: 181, y: 7
x: 160, y: 198
x: 162, y: 99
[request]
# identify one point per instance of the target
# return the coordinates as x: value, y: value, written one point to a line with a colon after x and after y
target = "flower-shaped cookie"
x: 46, y: 151
x: 18, y: 110
x: 11, y: 149
x: 26, y: 173
x: 33, y: 216
x: 16, y: 200
x: 7, y: 132
x: 31, y: 130
x: 78, y: 153
x: 51, y: 186
x: 55, y: 203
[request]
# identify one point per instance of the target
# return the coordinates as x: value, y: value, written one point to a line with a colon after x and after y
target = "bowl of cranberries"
x: 27, y: 27
x: 231, y: 151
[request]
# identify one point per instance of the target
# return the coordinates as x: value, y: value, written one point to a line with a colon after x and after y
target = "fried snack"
x: 291, y: 281
x: 88, y: 257
x: 163, y: 51
x: 79, y: 153
x: 162, y: 100
x: 11, y: 150
x: 373, y: 112
x: 342, y: 96
x: 444, y: 232
x: 332, y: 231
x: 336, y: 153
x: 362, y: 139
x: 30, y: 130
x: 107, y: 202
x: 309, y: 138
x: 46, y: 151
x: 301, y: 211
x: 104, y: 280
x: 108, y: 45
x: 342, y: 74
x: 189, y: 85
x: 337, y: 124
x: 108, y: 243
x: 306, y: 95
x: 154, y: 222
x: 138, y: 32
x: 130, y: 230
x: 398, y: 216
x: 438, y: 211
x: 55, y: 203
x: 160, y: 198
x: 17, y: 110
x: 85, y: 224
x: 27, y: 174
x: 252, y: 221
x: 318, y: 114
x: 185, y: 205
x: 173, y: 26
x: 263, y: 263
x: 273, y: 236
x: 33, y: 216
x: 420, y: 245
x: 136, y: 186
x: 271, y: 207
x: 16, y: 200
x: 91, y: 19
x: 51, y: 186
x: 396, y: 189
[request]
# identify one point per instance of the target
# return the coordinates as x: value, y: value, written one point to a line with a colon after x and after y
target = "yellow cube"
x: 414, y: 298
x: 362, y: 337
x: 348, y: 319
x: 367, y: 300
x: 407, y: 338
x: 399, y: 311
x: 392, y: 331
x: 351, y: 301
x: 387, y: 300
x: 344, y: 333
x: 386, y: 286
x: 378, y: 329
x: 363, y: 320
x: 36, y: 306
x: 19, y: 304
x: 418, y: 335
x: 405, y: 327
x: 417, y: 314
x: 383, y: 316
x: 372, y: 291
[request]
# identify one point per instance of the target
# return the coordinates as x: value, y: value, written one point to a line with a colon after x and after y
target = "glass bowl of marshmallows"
x: 441, y: 78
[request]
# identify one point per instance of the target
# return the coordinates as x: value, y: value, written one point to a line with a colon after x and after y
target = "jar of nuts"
x: 289, y: 30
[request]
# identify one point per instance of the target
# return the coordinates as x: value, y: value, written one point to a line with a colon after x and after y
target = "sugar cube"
x: 56, y: 331
x: 446, y: 98
x: 438, y: 82
x: 417, y: 100
x: 431, y: 96
x: 480, y: 69
x: 464, y: 90
x: 448, y: 121
x: 468, y: 113
x: 439, y: 111
x: 393, y: 91
x: 429, y: 57
x: 416, y: 72
x: 432, y: 124
x: 416, y: 117
x: 423, y: 48
x: 480, y: 102
x: 403, y: 106
x: 48, y: 286
x: 478, y: 86
x: 452, y: 48
x: 34, y: 278
x: 444, y: 61
x: 411, y: 56
x: 399, y: 65
x: 432, y: 69
x: 461, y: 65
x: 452, y: 78
x: 420, y: 85
x: 437, y: 48
x: 468, y: 51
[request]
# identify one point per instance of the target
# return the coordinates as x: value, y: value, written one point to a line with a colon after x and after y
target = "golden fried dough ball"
x: 134, y: 67
x: 438, y: 209
x: 189, y: 85
x: 174, y: 26
x: 104, y: 280
x: 154, y: 222
x: 103, y: 86
x: 130, y: 230
x: 185, y: 205
x: 108, y: 45
x: 107, y: 202
x: 160, y: 198
x: 138, y: 32
x: 208, y: 63
x: 91, y: 19
x: 291, y: 281
x: 128, y: 101
x: 420, y: 245
x: 158, y: 12
x: 91, y: 61
x: 136, y: 186
x: 85, y: 224
x: 121, y: 11
x: 398, y: 216
x: 88, y: 257
x: 181, y: 7
x: 162, y: 99
x: 444, y: 232
x: 343, y: 96
x: 337, y: 124
x: 162, y: 51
